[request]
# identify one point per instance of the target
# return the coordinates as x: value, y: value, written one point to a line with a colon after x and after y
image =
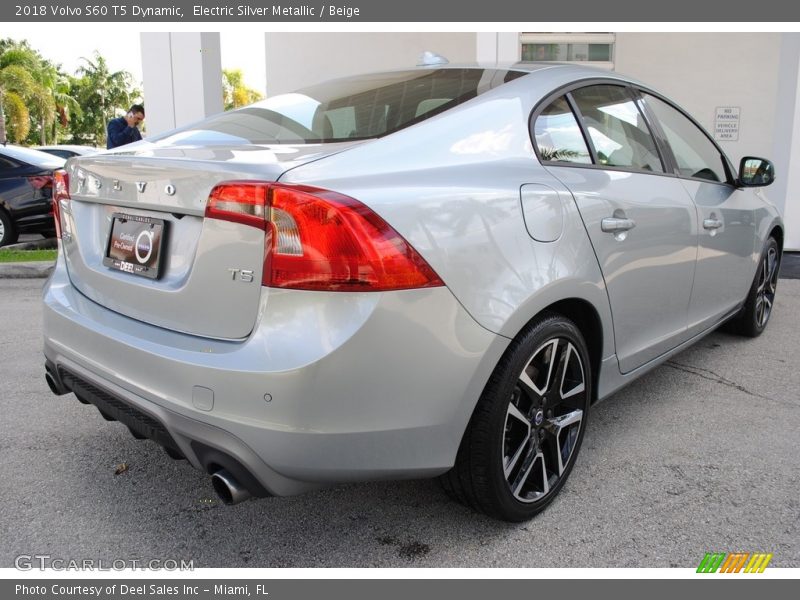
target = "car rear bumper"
x: 329, y: 387
x: 35, y: 223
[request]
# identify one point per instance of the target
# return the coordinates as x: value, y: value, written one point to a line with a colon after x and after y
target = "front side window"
x: 558, y: 136
x: 620, y: 136
x: 697, y: 157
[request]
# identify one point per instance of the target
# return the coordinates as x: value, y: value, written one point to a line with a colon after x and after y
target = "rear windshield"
x: 362, y: 107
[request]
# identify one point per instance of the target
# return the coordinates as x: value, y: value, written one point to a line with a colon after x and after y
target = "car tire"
x: 524, y: 435
x: 757, y: 309
x: 8, y: 233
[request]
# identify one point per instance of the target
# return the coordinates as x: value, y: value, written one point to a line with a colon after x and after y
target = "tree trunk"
x: 2, y: 121
x: 43, y: 128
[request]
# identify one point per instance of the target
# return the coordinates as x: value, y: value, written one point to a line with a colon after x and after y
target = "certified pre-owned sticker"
x: 135, y: 245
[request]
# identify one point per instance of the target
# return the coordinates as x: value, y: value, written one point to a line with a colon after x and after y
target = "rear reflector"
x: 321, y: 240
x: 60, y: 193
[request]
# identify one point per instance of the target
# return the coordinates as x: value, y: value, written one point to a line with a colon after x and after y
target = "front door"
x: 726, y: 217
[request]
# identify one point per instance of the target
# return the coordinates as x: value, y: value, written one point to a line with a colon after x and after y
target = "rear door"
x: 641, y: 223
x: 727, y: 231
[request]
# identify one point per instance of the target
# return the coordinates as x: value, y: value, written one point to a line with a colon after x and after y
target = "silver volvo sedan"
x: 420, y: 273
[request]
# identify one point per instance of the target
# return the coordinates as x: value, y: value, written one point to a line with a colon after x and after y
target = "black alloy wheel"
x: 760, y: 302
x: 525, y: 433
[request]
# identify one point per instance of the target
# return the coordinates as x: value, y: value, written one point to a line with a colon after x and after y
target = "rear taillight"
x: 321, y: 240
x: 60, y: 194
x: 239, y: 201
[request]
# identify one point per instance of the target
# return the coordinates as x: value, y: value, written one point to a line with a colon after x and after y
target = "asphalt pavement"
x: 790, y: 265
x: 698, y: 456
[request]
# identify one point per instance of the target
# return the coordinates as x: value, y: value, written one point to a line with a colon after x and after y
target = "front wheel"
x: 527, y: 428
x: 760, y: 300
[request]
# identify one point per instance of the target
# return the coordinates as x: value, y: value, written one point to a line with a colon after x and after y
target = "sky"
x: 240, y: 48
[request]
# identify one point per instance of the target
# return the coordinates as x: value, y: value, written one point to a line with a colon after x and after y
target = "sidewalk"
x: 29, y: 270
x: 26, y: 270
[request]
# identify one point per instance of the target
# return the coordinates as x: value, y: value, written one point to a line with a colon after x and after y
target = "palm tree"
x: 104, y: 91
x: 66, y: 104
x: 51, y: 98
x: 16, y: 86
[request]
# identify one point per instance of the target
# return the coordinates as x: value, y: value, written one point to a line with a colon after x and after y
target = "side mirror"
x: 755, y: 172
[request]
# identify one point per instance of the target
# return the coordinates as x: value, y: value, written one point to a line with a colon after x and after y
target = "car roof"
x: 72, y: 147
x: 546, y: 70
x: 32, y: 157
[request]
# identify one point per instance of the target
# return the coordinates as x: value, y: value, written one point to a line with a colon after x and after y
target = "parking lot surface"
x: 699, y: 455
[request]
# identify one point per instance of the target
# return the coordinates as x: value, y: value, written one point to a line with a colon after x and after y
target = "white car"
x: 69, y: 150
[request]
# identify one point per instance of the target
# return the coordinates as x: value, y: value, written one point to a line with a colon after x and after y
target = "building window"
x: 596, y: 49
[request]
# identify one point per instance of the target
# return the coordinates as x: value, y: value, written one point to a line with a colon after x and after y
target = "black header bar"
x: 450, y: 11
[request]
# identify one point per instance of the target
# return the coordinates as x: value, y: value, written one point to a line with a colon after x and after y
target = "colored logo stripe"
x: 734, y: 562
x: 711, y: 562
x: 758, y: 563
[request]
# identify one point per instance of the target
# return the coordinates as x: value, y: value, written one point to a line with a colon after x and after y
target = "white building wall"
x: 295, y: 60
x: 497, y: 47
x: 182, y: 75
x: 701, y: 71
x: 787, y: 138
x: 757, y: 72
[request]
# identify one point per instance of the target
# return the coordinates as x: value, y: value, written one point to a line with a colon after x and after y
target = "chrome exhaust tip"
x: 229, y: 490
x: 54, y: 385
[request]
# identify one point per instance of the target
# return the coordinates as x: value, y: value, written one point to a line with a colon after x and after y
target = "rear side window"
x: 60, y: 153
x: 619, y: 134
x: 696, y: 156
x: 558, y: 136
x: 361, y: 107
x: 7, y: 164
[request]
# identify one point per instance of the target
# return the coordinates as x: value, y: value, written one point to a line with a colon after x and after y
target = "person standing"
x: 125, y: 130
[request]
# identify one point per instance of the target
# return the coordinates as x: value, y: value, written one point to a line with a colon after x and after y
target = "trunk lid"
x: 209, y: 281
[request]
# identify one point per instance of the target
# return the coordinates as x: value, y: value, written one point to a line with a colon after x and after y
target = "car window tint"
x: 360, y: 107
x: 695, y: 154
x: 430, y: 104
x: 617, y: 128
x: 558, y: 137
x: 6, y: 164
x: 339, y: 122
x: 60, y: 153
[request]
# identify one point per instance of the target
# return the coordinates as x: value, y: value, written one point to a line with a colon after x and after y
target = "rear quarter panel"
x: 451, y: 187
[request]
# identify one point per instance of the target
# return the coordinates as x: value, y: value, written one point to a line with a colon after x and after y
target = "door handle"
x: 615, y: 224
x: 712, y: 224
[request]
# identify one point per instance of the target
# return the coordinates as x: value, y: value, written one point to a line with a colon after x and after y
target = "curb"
x: 43, y: 244
x: 26, y: 270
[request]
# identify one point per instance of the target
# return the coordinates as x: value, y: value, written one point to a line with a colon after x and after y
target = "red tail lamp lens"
x: 60, y: 193
x: 321, y: 240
